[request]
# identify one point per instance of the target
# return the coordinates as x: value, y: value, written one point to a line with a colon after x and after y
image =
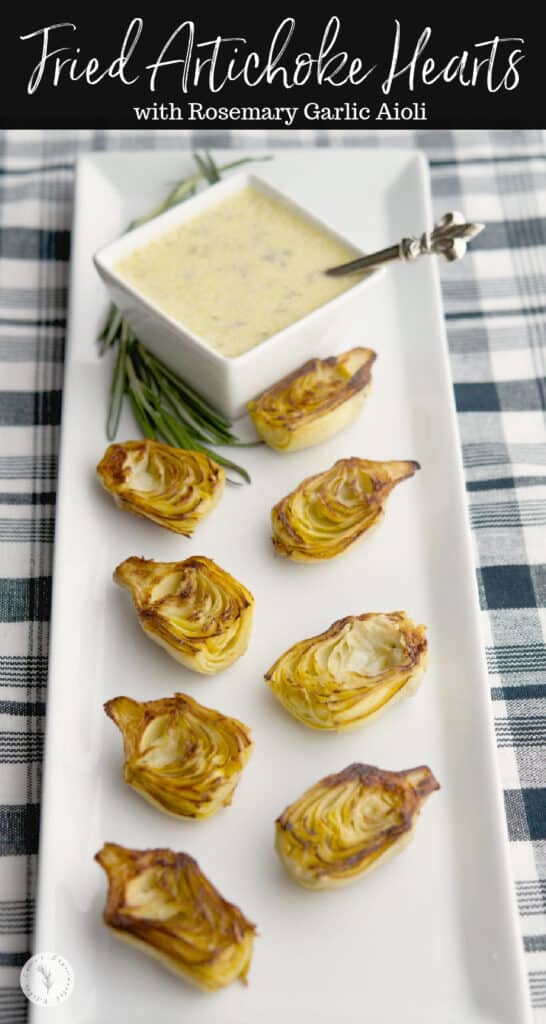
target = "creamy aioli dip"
x: 240, y: 271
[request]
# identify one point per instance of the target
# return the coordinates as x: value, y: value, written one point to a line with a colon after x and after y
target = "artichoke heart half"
x: 162, y: 903
x: 352, y: 672
x: 328, y: 512
x: 314, y: 402
x: 172, y: 487
x: 184, y: 758
x: 194, y: 609
x: 350, y: 822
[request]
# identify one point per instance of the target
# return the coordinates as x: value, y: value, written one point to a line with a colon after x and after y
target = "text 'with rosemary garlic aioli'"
x: 240, y: 271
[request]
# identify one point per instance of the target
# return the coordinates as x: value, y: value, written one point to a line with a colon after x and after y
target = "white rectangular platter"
x: 431, y: 936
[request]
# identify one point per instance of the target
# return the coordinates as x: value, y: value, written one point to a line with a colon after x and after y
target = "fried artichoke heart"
x: 194, y: 609
x: 162, y: 903
x: 350, y: 822
x: 184, y: 758
x: 172, y: 487
x: 352, y: 672
x: 328, y: 512
x: 314, y: 402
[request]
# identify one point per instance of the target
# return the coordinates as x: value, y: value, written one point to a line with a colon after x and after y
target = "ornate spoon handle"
x: 449, y: 238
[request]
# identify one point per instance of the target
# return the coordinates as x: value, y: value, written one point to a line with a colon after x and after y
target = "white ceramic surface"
x: 431, y: 937
x: 229, y: 382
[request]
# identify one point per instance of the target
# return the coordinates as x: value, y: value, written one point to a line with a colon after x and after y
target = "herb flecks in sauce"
x: 245, y: 268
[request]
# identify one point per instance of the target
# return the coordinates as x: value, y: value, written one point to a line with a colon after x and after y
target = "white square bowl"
x: 227, y: 382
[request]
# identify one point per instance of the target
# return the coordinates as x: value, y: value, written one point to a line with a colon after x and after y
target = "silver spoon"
x: 449, y: 238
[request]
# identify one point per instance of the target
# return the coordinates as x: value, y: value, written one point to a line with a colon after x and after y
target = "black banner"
x: 185, y: 66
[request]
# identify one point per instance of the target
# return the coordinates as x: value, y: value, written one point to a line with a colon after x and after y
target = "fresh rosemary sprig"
x: 164, y: 405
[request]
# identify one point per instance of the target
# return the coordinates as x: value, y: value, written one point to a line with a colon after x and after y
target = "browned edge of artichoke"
x: 378, y: 485
x: 134, y: 568
x: 148, y: 711
x: 359, y: 380
x: 370, y: 775
x: 415, y: 649
x: 381, y: 491
x: 230, y: 609
x: 114, y: 473
x: 112, y: 465
x: 141, y: 860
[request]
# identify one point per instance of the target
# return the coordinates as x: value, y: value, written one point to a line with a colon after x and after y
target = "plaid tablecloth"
x: 495, y: 302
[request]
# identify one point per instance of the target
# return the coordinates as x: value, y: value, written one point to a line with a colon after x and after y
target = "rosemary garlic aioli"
x: 239, y: 271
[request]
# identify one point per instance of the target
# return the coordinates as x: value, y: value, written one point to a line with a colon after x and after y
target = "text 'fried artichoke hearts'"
x: 184, y: 758
x: 194, y: 609
x: 162, y: 903
x: 330, y: 511
x: 314, y: 402
x: 350, y: 822
x: 342, y: 678
x: 172, y: 487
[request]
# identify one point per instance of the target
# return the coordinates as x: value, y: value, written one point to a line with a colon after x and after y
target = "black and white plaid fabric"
x: 495, y: 302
